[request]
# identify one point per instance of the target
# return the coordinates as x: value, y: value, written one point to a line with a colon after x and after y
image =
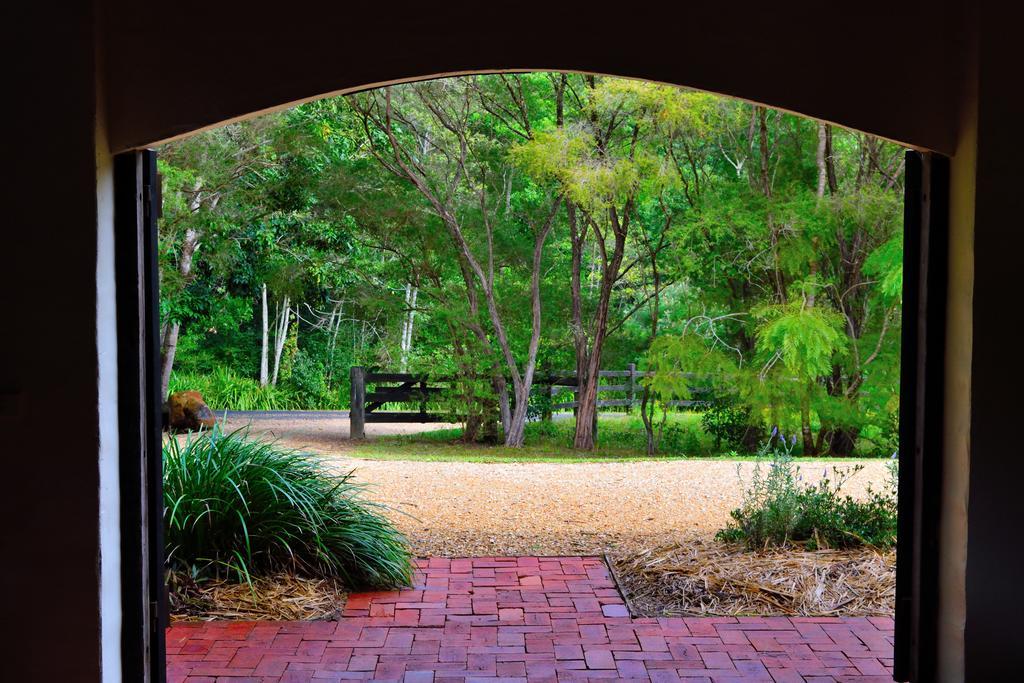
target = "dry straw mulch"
x: 707, y: 578
x: 282, y: 597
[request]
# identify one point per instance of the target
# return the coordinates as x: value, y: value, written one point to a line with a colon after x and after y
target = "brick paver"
x: 525, y: 619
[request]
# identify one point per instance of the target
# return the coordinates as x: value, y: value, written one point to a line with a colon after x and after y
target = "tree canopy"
x: 503, y: 226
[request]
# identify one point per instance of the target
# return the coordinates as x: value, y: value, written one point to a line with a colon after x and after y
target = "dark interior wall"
x: 995, y: 560
x: 875, y: 65
x: 49, y: 501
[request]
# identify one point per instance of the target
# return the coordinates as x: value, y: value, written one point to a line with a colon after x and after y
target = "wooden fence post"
x: 357, y: 405
x: 632, y: 386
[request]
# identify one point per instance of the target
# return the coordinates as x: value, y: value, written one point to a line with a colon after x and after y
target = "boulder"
x: 186, y: 411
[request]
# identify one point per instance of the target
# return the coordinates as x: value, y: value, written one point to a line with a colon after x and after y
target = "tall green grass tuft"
x: 236, y: 507
x: 222, y: 389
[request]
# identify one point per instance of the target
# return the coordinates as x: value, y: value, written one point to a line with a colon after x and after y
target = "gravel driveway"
x: 473, y: 509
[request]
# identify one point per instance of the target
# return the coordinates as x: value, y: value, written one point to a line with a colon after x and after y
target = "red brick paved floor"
x: 525, y: 619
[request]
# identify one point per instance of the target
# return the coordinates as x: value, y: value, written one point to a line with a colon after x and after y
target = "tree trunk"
x: 648, y: 420
x: 586, y: 414
x: 264, y: 369
x: 167, y: 351
x: 280, y: 336
x: 516, y: 433
x: 844, y: 440
x: 407, y: 325
x: 830, y: 161
x: 577, y: 237
x: 169, y: 344
x: 504, y: 401
x: 805, y: 422
x: 820, y: 157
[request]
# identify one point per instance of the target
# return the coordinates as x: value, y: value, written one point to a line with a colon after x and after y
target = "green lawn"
x: 620, y: 439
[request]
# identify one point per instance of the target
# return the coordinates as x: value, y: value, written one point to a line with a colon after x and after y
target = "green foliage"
x: 805, y: 339
x: 886, y: 264
x: 778, y: 509
x: 681, y: 434
x: 305, y: 388
x: 235, y: 507
x: 307, y: 384
x: 681, y: 363
x: 224, y: 390
x: 541, y: 401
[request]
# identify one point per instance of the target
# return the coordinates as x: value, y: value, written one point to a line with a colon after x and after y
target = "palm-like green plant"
x: 237, y: 506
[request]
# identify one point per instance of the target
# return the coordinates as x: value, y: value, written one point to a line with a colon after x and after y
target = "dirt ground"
x: 464, y: 509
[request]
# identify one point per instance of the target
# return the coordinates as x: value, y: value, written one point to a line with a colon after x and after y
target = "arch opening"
x: 459, y: 165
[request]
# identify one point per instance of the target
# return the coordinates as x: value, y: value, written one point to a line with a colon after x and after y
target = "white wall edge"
x: 109, y: 448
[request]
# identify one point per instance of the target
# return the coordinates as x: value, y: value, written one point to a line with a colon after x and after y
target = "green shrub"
x: 731, y: 423
x: 307, y: 384
x: 778, y: 509
x: 235, y: 506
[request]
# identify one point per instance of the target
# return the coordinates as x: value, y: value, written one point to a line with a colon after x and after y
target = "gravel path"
x: 459, y: 509
x: 466, y: 509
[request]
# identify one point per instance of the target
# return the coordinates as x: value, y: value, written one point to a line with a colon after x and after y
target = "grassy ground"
x: 620, y: 439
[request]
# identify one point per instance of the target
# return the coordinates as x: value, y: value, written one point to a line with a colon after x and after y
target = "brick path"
x: 525, y: 619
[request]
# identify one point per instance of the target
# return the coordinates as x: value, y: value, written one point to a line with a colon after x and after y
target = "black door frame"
x: 143, y: 593
x: 922, y: 392
x: 922, y: 398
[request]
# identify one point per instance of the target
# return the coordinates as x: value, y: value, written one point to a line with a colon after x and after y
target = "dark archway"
x: 166, y: 78
x: 238, y: 87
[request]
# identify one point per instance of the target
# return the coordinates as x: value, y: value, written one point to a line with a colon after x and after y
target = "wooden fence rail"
x: 417, y: 389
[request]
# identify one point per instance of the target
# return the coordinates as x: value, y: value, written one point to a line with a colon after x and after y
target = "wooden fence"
x: 632, y: 387
x: 417, y: 389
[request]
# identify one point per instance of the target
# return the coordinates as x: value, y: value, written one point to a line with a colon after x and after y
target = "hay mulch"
x: 283, y: 597
x: 708, y: 578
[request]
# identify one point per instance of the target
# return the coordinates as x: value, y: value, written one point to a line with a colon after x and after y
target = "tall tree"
x: 429, y: 141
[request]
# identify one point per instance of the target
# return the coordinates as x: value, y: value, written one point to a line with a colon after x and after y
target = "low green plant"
x: 778, y: 509
x: 235, y: 506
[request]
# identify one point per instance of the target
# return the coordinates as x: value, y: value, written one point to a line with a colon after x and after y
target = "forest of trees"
x: 496, y: 227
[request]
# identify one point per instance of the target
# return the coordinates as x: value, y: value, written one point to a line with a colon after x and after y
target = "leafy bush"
x: 235, y: 506
x: 779, y: 510
x: 307, y: 384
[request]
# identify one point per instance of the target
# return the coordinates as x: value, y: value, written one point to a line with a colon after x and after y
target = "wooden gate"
x: 364, y: 406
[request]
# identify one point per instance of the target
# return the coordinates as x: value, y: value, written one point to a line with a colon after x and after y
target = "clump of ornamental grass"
x: 778, y: 509
x: 236, y: 507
